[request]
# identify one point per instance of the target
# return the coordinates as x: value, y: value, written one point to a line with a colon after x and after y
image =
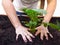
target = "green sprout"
x: 34, y: 20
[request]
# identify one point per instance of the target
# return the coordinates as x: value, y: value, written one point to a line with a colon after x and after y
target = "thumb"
x: 28, y: 28
x: 16, y: 36
x: 36, y: 28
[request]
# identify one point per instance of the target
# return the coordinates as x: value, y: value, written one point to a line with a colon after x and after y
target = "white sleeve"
x: 1, y: 8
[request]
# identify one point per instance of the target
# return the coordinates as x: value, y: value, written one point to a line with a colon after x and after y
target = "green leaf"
x: 27, y: 24
x: 58, y: 23
x: 40, y: 19
x: 45, y: 24
x: 41, y: 11
x: 54, y: 26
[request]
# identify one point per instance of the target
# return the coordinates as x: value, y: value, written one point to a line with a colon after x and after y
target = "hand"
x: 43, y: 30
x: 24, y: 33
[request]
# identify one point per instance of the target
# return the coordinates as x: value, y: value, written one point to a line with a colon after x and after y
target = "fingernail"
x: 41, y: 38
x: 25, y: 41
x: 51, y: 36
x: 46, y: 38
x: 33, y: 36
x: 30, y: 40
x: 16, y: 38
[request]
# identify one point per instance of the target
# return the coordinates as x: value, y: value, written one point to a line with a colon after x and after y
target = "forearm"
x: 11, y: 13
x: 50, y: 10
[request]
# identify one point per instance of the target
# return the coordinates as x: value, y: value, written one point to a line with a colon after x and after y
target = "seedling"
x: 34, y: 20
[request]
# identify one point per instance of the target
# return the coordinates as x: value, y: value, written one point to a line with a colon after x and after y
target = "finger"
x: 47, y: 30
x: 16, y: 36
x: 50, y: 35
x: 36, y: 28
x: 46, y: 36
x: 28, y: 37
x: 28, y: 29
x: 41, y: 36
x: 24, y: 38
x: 30, y: 34
x: 37, y: 33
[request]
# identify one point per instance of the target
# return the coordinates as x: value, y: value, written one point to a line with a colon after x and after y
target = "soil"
x: 8, y: 35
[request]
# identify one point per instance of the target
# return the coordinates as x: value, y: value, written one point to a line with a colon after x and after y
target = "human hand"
x: 24, y: 33
x: 43, y: 30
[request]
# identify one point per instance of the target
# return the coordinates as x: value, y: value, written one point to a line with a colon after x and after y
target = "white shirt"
x: 1, y: 8
x: 18, y: 5
x: 57, y: 11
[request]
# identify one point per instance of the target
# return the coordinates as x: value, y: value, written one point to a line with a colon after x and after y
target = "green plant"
x: 34, y: 20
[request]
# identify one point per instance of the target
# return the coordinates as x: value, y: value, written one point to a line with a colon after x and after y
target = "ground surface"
x: 7, y: 35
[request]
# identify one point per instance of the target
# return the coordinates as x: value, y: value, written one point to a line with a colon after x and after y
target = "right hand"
x: 24, y: 33
x: 43, y: 30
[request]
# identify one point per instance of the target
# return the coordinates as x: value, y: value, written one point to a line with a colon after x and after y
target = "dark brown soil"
x: 8, y: 35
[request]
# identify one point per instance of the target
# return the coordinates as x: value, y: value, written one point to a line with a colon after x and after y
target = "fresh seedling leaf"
x: 27, y: 24
x: 58, y: 23
x: 34, y: 20
x: 45, y: 24
x: 54, y: 26
x: 42, y: 11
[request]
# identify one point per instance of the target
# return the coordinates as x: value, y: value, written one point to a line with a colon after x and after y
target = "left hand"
x: 23, y: 31
x: 43, y: 30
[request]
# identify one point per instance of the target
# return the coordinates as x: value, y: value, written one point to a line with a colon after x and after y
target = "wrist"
x: 17, y: 26
x: 45, y: 24
x: 45, y: 21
